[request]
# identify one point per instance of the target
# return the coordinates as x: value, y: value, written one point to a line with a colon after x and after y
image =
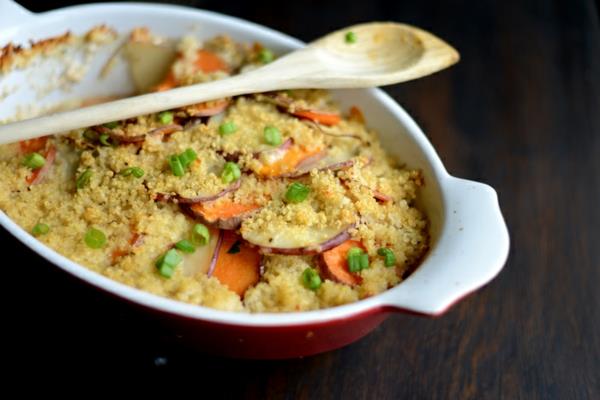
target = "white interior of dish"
x: 469, y: 238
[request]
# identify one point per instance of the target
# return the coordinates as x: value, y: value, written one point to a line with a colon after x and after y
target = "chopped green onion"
x: 227, y: 128
x: 353, y: 259
x: 200, y: 235
x: 296, y: 193
x: 265, y: 56
x: 104, y: 139
x: 84, y: 179
x: 95, y: 238
x: 179, y: 163
x: 364, y: 261
x: 34, y: 160
x: 165, y: 117
x: 111, y: 125
x: 272, y: 136
x: 388, y: 255
x: 235, y: 248
x: 187, y: 157
x: 186, y: 246
x: 90, y: 135
x: 311, y: 279
x: 40, y: 229
x: 357, y: 259
x: 135, y: 171
x: 167, y: 263
x: 350, y: 37
x: 176, y: 167
x: 164, y: 268
x: 355, y: 251
x: 231, y: 172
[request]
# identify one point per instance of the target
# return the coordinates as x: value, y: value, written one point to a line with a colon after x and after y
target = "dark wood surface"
x: 520, y: 112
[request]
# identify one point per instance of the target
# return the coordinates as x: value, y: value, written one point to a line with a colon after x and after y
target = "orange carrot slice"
x: 38, y: 174
x: 33, y: 145
x: 213, y: 211
x: 207, y: 109
x: 208, y: 62
x: 168, y: 83
x: 288, y: 163
x: 136, y: 239
x: 335, y: 262
x: 357, y: 115
x: 384, y: 198
x: 323, y: 118
x: 237, y: 270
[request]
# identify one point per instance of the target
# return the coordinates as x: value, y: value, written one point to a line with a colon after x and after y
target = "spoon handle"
x: 286, y: 72
x: 386, y: 53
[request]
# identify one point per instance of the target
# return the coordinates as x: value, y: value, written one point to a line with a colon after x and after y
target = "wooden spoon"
x: 381, y: 54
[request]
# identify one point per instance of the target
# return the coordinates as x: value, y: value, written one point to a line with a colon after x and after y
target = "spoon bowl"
x: 385, y: 53
x: 380, y: 53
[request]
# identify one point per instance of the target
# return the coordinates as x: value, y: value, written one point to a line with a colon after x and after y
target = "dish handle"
x: 471, y: 250
x: 13, y: 14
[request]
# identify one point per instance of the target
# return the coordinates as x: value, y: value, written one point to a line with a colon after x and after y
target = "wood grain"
x: 520, y: 112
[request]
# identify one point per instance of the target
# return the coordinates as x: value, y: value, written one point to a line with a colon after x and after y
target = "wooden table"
x: 520, y: 112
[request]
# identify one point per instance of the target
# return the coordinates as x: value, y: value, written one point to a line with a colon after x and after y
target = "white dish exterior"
x: 470, y: 241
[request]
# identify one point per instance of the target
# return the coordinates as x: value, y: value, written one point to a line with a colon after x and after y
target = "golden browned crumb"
x: 14, y: 56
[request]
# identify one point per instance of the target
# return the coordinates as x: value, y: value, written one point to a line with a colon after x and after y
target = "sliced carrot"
x: 288, y: 163
x: 335, y: 262
x: 318, y: 117
x: 33, y: 145
x: 135, y: 240
x: 168, y: 83
x: 118, y: 253
x: 37, y: 174
x: 213, y: 211
x: 357, y: 115
x: 237, y: 270
x: 208, y: 62
x: 384, y: 198
x: 207, y: 109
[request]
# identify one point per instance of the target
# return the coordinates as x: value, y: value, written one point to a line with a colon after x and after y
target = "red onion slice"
x: 335, y: 166
x: 200, y: 199
x: 282, y: 148
x: 166, y: 130
x: 50, y: 157
x: 207, y: 111
x: 215, y: 257
x: 309, y: 162
x: 384, y: 198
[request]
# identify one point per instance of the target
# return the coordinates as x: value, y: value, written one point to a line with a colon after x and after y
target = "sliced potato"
x: 199, y: 262
x: 310, y: 226
x: 148, y: 63
x: 303, y: 241
x: 200, y: 182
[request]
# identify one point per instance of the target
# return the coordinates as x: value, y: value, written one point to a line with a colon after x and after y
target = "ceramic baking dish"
x: 469, y: 239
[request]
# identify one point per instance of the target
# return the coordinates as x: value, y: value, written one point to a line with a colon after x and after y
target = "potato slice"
x: 320, y: 221
x: 148, y: 63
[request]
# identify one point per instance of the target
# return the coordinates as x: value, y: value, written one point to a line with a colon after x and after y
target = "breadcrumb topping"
x: 354, y: 189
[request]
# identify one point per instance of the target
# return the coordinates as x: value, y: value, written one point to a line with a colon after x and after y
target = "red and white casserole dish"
x: 469, y: 239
